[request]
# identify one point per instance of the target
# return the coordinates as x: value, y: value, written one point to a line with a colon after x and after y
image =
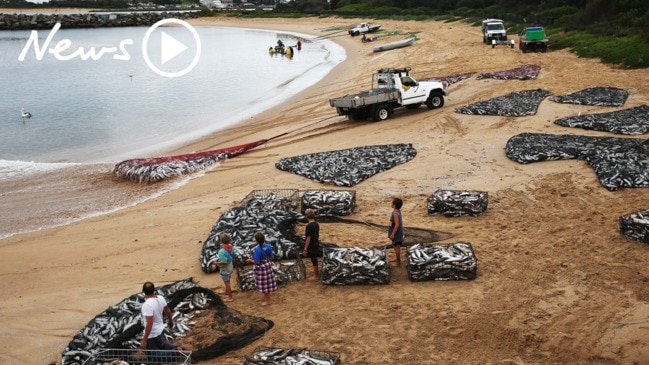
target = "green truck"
x: 533, y: 39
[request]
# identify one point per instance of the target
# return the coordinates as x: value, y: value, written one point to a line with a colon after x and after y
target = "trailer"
x: 391, y: 88
x: 533, y: 39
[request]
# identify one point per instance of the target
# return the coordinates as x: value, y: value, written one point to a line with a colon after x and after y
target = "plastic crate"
x: 333, y: 357
x: 270, y: 198
x: 140, y: 357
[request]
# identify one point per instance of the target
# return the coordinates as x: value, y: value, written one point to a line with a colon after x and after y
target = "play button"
x: 169, y: 58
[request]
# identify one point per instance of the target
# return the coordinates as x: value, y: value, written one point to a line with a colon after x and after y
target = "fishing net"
x: 350, y: 166
x: 636, y: 226
x: 601, y: 96
x: 152, y: 170
x: 628, y: 121
x: 120, y: 326
x: 525, y: 72
x: 451, y: 79
x: 453, y: 203
x: 618, y: 162
x: 454, y: 261
x: 515, y: 104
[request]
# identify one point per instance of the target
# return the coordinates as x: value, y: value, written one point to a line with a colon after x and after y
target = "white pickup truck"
x: 391, y: 88
x: 362, y: 28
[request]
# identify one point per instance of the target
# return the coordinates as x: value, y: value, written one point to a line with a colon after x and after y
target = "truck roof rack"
x: 394, y: 70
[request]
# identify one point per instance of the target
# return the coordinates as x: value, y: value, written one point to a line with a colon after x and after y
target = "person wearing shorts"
x: 225, y: 265
x: 395, y: 229
x: 312, y: 241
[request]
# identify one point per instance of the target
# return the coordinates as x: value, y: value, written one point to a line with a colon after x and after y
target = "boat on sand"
x: 392, y: 45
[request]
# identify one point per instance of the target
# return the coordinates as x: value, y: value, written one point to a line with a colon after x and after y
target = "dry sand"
x: 557, y: 281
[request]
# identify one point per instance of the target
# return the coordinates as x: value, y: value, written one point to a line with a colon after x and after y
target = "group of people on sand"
x: 155, y: 306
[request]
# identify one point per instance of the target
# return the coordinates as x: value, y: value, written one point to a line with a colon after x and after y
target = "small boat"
x: 398, y: 44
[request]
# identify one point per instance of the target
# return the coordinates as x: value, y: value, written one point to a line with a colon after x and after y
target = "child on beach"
x: 312, y: 241
x: 264, y: 274
x: 395, y: 229
x: 225, y: 265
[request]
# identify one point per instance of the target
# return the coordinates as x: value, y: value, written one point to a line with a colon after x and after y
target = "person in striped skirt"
x: 264, y: 275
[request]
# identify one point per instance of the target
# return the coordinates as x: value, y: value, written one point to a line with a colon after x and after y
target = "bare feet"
x: 263, y: 304
x: 312, y: 278
x: 228, y: 300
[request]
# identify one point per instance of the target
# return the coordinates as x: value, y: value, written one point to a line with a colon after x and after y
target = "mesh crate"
x: 329, y: 202
x: 285, y: 272
x: 140, y: 357
x: 273, y: 198
x: 318, y: 356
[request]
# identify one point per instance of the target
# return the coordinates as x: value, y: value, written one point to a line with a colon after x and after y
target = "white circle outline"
x: 145, y: 43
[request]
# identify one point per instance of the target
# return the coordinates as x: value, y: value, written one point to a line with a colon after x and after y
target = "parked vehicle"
x: 533, y: 39
x: 362, y: 28
x: 494, y: 30
x: 391, y: 88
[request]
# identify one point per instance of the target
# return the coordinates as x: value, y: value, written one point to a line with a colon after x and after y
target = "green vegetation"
x: 617, y: 32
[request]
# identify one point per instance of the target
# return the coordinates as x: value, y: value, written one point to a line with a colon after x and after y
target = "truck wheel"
x: 381, y: 112
x: 435, y: 100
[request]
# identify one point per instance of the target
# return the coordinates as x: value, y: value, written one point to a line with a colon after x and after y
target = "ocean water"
x: 89, y: 114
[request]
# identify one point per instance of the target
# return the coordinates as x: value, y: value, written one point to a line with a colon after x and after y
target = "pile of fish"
x: 525, y: 72
x: 350, y: 166
x: 636, y: 226
x: 152, y: 170
x: 355, y: 266
x: 277, y: 356
x: 285, y: 272
x: 272, y: 214
x: 451, y: 79
x: 454, y: 261
x: 627, y: 121
x: 329, y: 202
x: 515, y: 104
x: 602, y: 96
x: 618, y: 162
x: 120, y: 326
x: 453, y: 203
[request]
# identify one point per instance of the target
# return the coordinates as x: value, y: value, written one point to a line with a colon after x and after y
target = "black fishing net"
x: 350, y: 166
x: 120, y: 326
x: 628, y: 121
x: 602, y: 96
x: 618, y: 162
x: 451, y: 79
x: 525, y: 72
x: 515, y: 104
x: 455, y: 203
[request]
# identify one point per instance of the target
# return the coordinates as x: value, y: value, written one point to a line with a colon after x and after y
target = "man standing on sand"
x: 152, y: 310
x: 395, y: 229
x: 312, y: 241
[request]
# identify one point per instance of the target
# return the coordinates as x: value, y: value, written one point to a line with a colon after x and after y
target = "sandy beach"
x: 557, y: 281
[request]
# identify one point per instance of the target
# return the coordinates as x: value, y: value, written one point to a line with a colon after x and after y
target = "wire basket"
x: 273, y: 198
x: 285, y: 271
x: 140, y: 357
x: 329, y: 202
x: 329, y: 357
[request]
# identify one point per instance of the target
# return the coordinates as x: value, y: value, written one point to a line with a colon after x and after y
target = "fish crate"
x: 286, y: 271
x: 273, y: 199
x: 456, y: 203
x: 139, y: 357
x: 329, y: 202
x: 276, y: 355
x: 455, y: 261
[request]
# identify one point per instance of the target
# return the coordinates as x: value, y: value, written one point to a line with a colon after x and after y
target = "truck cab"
x: 493, y: 29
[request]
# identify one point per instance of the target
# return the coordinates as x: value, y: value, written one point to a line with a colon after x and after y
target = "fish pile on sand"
x: 355, y: 266
x: 628, y: 121
x: 618, y: 162
x: 636, y: 226
x: 515, y: 104
x: 455, y: 261
x: 285, y: 271
x: 451, y: 79
x: 329, y: 202
x: 455, y: 203
x: 277, y: 356
x: 350, y: 166
x: 525, y: 72
x: 601, y: 96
